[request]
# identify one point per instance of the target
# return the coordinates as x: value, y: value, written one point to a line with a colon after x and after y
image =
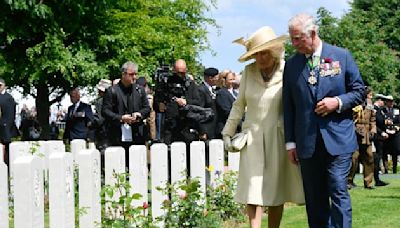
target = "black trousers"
x: 377, y: 158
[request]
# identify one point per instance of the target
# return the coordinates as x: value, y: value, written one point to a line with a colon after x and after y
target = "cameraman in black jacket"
x: 171, y: 95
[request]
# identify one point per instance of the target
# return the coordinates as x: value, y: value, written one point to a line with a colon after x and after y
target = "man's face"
x: 129, y: 77
x: 212, y: 81
x: 74, y: 96
x: 301, y: 41
x: 389, y: 103
x: 180, y: 70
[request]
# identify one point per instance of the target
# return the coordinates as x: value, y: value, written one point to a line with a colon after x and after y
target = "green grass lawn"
x: 371, y: 208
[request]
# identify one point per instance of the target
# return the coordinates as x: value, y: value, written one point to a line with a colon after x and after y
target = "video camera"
x: 167, y: 84
x: 161, y: 74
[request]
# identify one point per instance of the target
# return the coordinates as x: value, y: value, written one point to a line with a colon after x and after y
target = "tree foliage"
x: 364, y: 37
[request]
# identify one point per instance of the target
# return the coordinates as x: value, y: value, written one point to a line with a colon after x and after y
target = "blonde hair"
x: 222, y: 77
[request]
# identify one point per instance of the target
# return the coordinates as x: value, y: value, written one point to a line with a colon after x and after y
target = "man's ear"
x: 313, y: 34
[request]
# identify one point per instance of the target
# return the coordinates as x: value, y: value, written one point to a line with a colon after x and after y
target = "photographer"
x: 125, y: 106
x: 172, y: 94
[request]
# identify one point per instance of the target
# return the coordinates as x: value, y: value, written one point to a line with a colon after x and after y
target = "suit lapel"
x: 122, y: 97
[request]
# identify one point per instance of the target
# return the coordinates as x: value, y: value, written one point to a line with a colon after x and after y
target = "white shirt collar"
x: 77, y: 104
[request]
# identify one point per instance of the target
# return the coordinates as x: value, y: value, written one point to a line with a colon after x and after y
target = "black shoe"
x: 381, y: 183
x: 369, y: 187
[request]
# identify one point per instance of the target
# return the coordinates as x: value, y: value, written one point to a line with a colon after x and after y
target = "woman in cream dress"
x: 266, y: 177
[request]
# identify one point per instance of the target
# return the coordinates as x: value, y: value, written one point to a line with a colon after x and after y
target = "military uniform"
x: 378, y: 142
x: 365, y: 123
x: 392, y: 144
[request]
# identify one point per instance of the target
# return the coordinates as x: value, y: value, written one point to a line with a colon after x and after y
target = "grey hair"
x: 306, y: 21
x: 127, y: 65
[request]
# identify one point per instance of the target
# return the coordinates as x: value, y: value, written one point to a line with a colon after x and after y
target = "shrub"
x: 121, y: 212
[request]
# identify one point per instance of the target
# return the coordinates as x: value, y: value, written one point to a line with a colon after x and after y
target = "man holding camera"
x: 172, y: 95
x: 125, y: 106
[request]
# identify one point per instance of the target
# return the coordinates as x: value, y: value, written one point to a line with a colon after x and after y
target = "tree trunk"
x: 43, y: 109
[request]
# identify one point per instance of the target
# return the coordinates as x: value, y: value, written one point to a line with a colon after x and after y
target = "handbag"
x: 238, y: 141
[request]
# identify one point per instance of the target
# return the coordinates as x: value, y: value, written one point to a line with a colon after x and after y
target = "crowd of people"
x: 309, y: 121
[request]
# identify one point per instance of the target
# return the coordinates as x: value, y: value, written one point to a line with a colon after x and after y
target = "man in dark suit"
x: 78, y: 119
x: 381, y: 137
x: 208, y: 95
x: 321, y: 85
x: 226, y: 95
x: 125, y: 106
x: 392, y: 128
x: 8, y: 129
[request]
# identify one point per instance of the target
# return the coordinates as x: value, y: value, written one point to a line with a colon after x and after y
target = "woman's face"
x: 229, y: 80
x: 264, y: 59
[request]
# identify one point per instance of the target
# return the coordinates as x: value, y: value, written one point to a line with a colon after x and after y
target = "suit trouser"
x: 392, y: 147
x: 328, y: 202
x: 6, y: 155
x: 377, y: 159
x: 366, y: 157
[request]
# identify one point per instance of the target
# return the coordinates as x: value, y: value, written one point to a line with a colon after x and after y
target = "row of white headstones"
x: 50, y: 162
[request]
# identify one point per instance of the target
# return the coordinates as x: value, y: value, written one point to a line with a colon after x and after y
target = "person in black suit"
x: 208, y: 95
x: 381, y: 136
x: 125, y: 106
x: 392, y: 123
x: 171, y: 97
x: 225, y: 98
x: 8, y: 129
x: 78, y: 119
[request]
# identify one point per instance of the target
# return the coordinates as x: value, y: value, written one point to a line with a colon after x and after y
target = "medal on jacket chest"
x: 312, y: 79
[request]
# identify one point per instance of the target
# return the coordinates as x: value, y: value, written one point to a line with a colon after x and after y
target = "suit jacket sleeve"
x: 67, y: 123
x: 354, y: 85
x: 145, y: 107
x: 289, y: 109
x: 107, y: 109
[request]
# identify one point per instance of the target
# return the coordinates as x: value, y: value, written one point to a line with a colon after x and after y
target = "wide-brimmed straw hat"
x: 263, y: 39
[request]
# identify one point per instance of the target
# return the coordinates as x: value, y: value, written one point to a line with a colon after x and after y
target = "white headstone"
x: 114, y: 159
x: 178, y: 161
x: 233, y: 161
x: 76, y: 146
x: 89, y: 188
x: 159, y: 177
x: 138, y: 173
x: 3, y: 195
x: 61, y: 190
x: 91, y: 145
x: 37, y: 148
x: 216, y: 166
x: 198, y: 163
x: 28, y: 192
x: 50, y: 147
x: 17, y: 149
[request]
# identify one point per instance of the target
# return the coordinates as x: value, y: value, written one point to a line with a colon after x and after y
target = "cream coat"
x: 266, y: 177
